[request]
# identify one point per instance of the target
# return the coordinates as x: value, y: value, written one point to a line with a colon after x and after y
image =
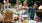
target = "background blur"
x: 13, y: 2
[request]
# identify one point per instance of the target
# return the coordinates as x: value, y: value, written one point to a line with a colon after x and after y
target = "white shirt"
x: 0, y: 16
x: 39, y: 22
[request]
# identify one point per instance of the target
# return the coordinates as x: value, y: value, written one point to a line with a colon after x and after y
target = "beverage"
x: 25, y: 21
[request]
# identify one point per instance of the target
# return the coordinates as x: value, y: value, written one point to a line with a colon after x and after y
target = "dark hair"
x: 38, y: 3
x: 5, y: 0
x: 41, y: 3
x: 39, y: 14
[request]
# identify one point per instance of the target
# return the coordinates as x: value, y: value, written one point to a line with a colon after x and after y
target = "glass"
x: 25, y: 21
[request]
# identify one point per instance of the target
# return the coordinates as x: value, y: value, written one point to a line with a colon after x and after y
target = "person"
x: 7, y: 16
x: 38, y: 16
x: 25, y: 7
x: 18, y: 4
x: 1, y: 8
x: 7, y: 4
x: 34, y: 9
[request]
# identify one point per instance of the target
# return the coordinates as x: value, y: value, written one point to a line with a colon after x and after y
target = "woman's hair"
x: 18, y: 1
x: 5, y: 0
x: 26, y: 2
x: 39, y: 14
x: 7, y: 16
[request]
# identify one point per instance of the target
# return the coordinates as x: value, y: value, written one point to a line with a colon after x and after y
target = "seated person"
x: 7, y: 4
x: 7, y: 16
x: 25, y: 7
x: 38, y: 16
x: 33, y: 9
x: 18, y: 5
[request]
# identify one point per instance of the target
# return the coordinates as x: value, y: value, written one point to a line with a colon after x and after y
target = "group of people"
x: 34, y: 13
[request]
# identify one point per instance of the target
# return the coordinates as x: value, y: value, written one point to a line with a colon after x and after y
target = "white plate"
x: 32, y: 21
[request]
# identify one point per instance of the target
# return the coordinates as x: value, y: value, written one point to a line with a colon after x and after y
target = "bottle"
x: 25, y: 21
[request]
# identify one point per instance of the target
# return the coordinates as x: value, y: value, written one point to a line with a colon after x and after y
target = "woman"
x: 18, y: 4
x: 7, y: 4
x: 25, y: 7
x: 7, y: 16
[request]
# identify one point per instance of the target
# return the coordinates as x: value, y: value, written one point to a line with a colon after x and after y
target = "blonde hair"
x: 18, y: 1
x: 26, y: 2
x: 7, y: 16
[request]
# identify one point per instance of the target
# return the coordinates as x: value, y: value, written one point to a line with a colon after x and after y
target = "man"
x: 34, y: 9
x: 38, y: 17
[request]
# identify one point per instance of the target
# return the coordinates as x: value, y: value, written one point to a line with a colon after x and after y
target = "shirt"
x: 39, y: 22
x: 25, y: 12
x: 7, y: 5
x: 32, y: 12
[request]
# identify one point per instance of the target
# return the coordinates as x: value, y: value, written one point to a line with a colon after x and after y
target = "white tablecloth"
x: 32, y: 21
